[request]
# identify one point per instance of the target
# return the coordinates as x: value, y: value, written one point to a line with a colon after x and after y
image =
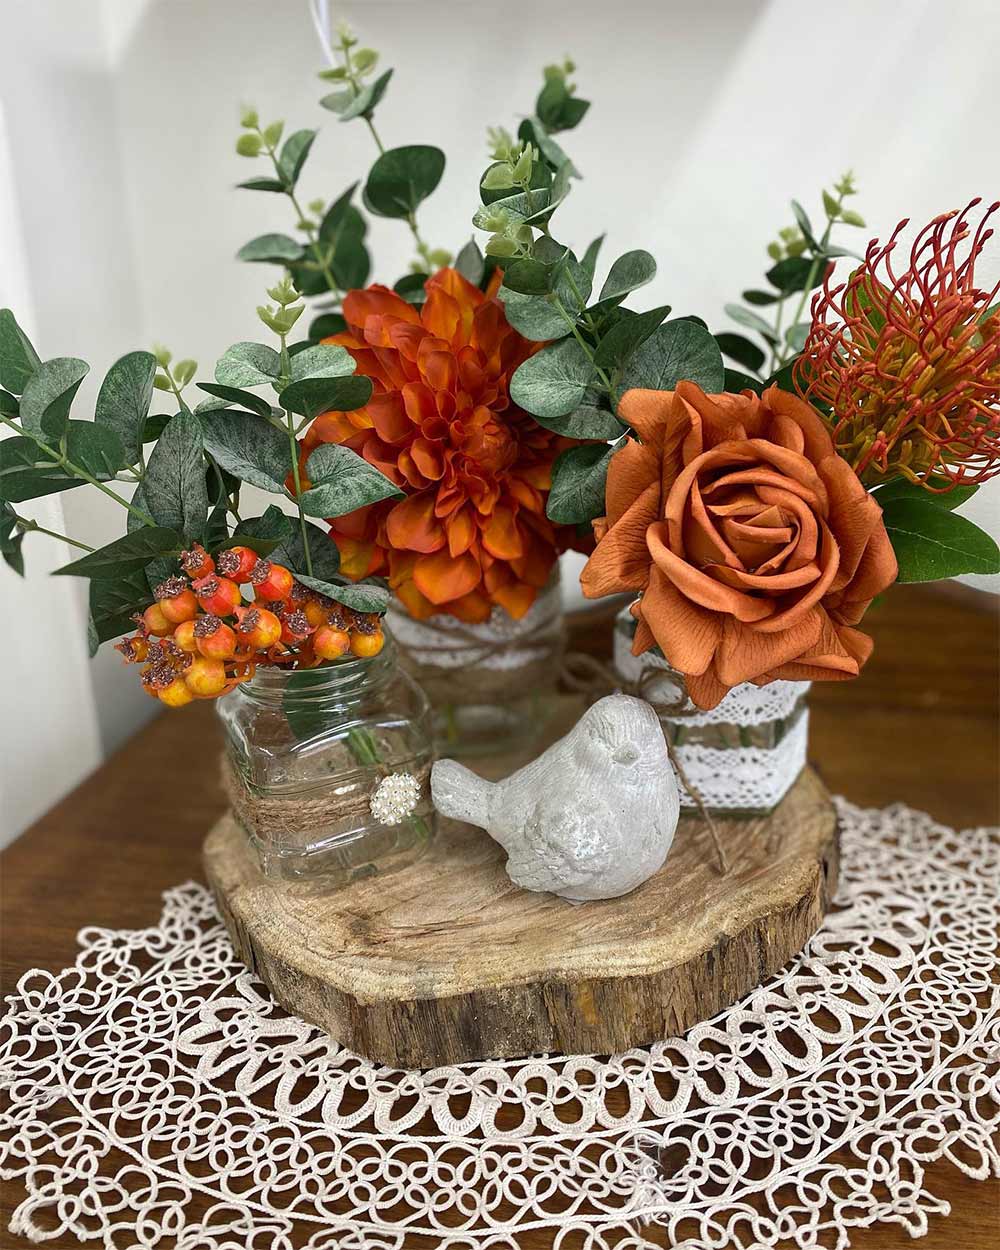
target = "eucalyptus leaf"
x: 262, y: 184
x: 527, y: 277
x: 173, y: 485
x: 124, y: 398
x: 540, y: 180
x: 26, y: 474
x: 744, y: 317
x: 336, y: 215
x: 312, y: 396
x: 736, y: 382
x: 586, y: 422
x: 279, y: 249
x: 536, y: 317
x: 127, y: 554
x: 358, y: 596
x: 322, y: 361
x: 794, y: 273
x: 624, y: 337
x: 293, y: 154
x: 579, y: 476
x: 233, y: 395
x: 552, y: 383
x: 343, y: 481
x: 796, y: 335
x: 323, y: 554
x: 263, y: 533
x: 743, y: 350
x: 412, y: 287
x: 96, y: 449
x: 588, y: 262
x: 248, y: 364
x: 628, y: 273
x: 113, y: 603
x: 678, y: 351
x: 326, y: 325
x: 932, y: 543
x: 402, y: 178
x: 805, y: 225
x: 249, y: 448
x: 11, y: 540
x: 18, y: 359
x: 9, y: 405
x: 48, y: 394
x: 761, y: 299
x: 363, y: 104
x: 469, y: 263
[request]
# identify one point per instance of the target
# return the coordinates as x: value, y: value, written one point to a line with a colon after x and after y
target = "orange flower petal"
x: 441, y: 578
x: 412, y: 525
x: 501, y: 536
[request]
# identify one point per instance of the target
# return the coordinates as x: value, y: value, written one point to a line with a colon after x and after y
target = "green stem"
x: 305, y: 224
x: 411, y: 220
x: 175, y: 388
x: 810, y: 279
x: 588, y: 350
x: 60, y: 458
x: 293, y: 451
x: 28, y: 526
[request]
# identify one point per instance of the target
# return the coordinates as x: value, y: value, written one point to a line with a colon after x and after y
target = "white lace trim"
x: 157, y: 1069
x: 445, y: 642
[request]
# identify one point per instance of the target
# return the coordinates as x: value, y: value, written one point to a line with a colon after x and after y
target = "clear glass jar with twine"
x: 328, y: 769
x: 491, y: 685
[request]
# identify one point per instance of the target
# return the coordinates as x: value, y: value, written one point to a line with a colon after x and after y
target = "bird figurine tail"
x: 459, y: 793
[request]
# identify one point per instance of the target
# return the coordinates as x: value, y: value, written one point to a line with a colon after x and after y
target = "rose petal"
x: 698, y: 586
x: 621, y: 560
x: 746, y: 653
x: 687, y: 634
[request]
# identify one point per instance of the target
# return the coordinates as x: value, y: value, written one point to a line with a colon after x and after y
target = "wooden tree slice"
x: 446, y: 961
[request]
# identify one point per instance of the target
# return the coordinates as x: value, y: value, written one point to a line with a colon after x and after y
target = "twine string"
x: 593, y: 678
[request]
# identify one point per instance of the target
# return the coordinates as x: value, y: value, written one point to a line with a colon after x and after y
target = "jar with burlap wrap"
x: 491, y: 685
x: 743, y: 755
x: 328, y: 769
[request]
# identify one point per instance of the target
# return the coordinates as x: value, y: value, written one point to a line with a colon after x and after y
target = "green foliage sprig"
x: 596, y: 348
x: 801, y: 263
x: 186, y: 466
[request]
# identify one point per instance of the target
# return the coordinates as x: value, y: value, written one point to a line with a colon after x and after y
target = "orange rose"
x: 753, y: 544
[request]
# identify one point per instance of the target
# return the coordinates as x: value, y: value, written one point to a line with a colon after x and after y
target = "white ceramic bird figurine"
x: 592, y: 817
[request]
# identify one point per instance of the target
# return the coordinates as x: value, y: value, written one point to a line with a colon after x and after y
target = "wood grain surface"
x: 920, y: 725
x: 445, y: 960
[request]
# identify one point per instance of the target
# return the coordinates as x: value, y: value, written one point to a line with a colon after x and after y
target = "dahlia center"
x: 488, y: 443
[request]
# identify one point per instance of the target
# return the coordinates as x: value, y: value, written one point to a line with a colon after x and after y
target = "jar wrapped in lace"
x: 742, y: 756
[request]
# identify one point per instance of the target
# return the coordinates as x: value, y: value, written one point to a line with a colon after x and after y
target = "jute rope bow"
x: 593, y: 678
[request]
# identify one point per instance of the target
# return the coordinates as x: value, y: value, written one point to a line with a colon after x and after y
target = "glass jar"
x: 491, y: 685
x: 744, y: 754
x: 328, y: 768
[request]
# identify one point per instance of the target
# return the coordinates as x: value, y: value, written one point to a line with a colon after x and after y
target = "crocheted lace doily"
x: 157, y: 1070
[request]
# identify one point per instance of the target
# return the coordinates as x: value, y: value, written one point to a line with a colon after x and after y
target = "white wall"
x: 708, y: 116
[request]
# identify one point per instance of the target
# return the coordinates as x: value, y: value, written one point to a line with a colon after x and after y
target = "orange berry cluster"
x: 190, y: 650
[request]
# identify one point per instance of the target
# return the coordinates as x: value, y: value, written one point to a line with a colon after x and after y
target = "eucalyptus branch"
x: 293, y: 452
x: 350, y: 76
x: 28, y: 526
x: 74, y: 470
x: 304, y: 220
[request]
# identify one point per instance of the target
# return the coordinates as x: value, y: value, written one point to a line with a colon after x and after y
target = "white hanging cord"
x: 319, y: 10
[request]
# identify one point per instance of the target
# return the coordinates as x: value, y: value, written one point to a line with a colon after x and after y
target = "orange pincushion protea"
x: 908, y: 363
x: 475, y: 468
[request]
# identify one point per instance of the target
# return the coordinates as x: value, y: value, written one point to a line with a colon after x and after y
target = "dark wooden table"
x: 920, y: 725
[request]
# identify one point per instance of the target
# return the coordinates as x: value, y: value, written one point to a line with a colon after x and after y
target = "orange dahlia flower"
x: 475, y: 468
